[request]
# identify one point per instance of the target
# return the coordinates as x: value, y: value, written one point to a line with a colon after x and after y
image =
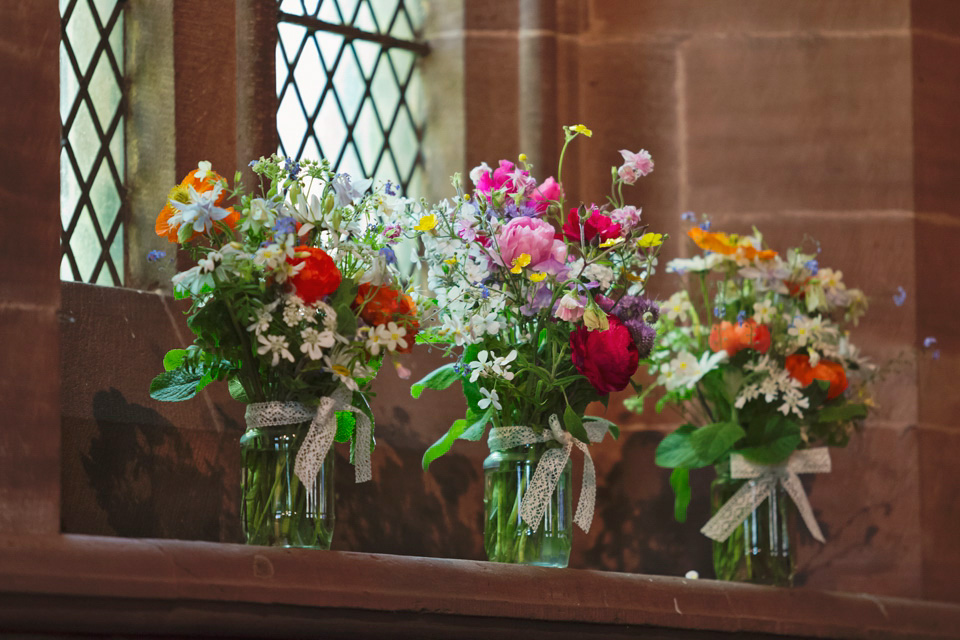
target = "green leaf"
x: 823, y: 384
x: 346, y: 321
x: 675, y: 450
x: 176, y: 385
x: 437, y: 379
x: 476, y: 430
x: 842, y: 413
x: 237, y: 392
x: 680, y: 483
x: 778, y: 439
x: 174, y: 359
x: 714, y: 440
x: 574, y: 425
x: 471, y: 392
x: 456, y: 430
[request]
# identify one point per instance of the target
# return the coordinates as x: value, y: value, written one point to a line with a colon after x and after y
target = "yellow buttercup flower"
x: 649, y: 240
x: 538, y: 277
x: 582, y: 130
x: 611, y: 242
x: 523, y: 157
x: 522, y: 260
x: 427, y: 223
x: 452, y: 260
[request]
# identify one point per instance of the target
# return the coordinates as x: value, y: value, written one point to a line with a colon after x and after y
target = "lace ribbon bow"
x: 544, y: 481
x: 732, y: 514
x: 323, y: 428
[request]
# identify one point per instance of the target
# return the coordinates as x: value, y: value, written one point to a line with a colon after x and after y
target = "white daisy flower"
x: 277, y: 345
x: 314, y: 342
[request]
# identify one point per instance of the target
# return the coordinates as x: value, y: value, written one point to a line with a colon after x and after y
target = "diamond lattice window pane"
x: 92, y: 160
x: 358, y: 102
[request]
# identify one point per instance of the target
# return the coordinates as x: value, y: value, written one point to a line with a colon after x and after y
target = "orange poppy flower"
x: 750, y: 253
x: 181, y: 193
x: 799, y: 367
x: 733, y: 338
x: 713, y: 241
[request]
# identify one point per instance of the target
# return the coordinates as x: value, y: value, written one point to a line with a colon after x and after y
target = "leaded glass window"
x: 349, y: 86
x: 92, y: 154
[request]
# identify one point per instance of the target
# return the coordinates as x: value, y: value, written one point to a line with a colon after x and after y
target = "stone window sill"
x: 90, y: 584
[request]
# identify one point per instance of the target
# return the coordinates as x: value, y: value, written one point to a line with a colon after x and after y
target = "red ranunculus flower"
x: 380, y: 305
x: 799, y: 367
x: 597, y: 225
x: 607, y: 358
x: 319, y: 276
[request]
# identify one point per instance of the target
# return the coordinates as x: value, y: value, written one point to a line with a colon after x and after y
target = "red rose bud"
x: 319, y: 276
x: 607, y: 358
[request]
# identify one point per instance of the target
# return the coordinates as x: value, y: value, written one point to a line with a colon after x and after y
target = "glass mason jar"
x: 274, y: 509
x: 759, y: 550
x: 506, y: 537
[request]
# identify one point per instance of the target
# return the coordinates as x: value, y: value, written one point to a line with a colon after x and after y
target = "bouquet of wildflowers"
x: 541, y: 308
x: 295, y: 296
x: 755, y: 355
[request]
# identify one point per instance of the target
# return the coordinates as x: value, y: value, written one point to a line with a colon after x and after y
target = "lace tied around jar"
x: 319, y: 438
x: 732, y: 514
x: 551, y: 465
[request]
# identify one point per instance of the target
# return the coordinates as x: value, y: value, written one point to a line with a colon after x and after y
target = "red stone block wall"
x: 831, y: 118
x: 821, y: 118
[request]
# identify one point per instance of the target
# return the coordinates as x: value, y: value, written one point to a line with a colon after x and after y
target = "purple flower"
x: 155, y: 255
x: 929, y: 341
x: 643, y: 335
x: 741, y: 317
x: 540, y: 300
x: 705, y: 225
x: 390, y: 189
x: 637, y: 314
x: 389, y: 255
x: 292, y: 167
x: 813, y: 266
x: 900, y: 297
x: 285, y: 225
x: 688, y: 216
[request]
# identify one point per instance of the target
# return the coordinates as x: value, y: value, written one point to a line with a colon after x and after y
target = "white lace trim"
x: 751, y: 495
x: 319, y: 438
x: 551, y: 465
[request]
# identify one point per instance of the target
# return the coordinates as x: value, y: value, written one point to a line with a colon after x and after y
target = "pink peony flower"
x: 607, y: 358
x: 549, y: 190
x: 534, y: 237
x: 627, y: 217
x: 596, y: 226
x: 635, y: 165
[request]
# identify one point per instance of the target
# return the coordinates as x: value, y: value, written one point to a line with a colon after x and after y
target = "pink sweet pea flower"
x: 549, y: 190
x: 534, y: 237
x: 635, y: 165
x: 627, y: 217
x: 506, y: 177
x: 570, y: 307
